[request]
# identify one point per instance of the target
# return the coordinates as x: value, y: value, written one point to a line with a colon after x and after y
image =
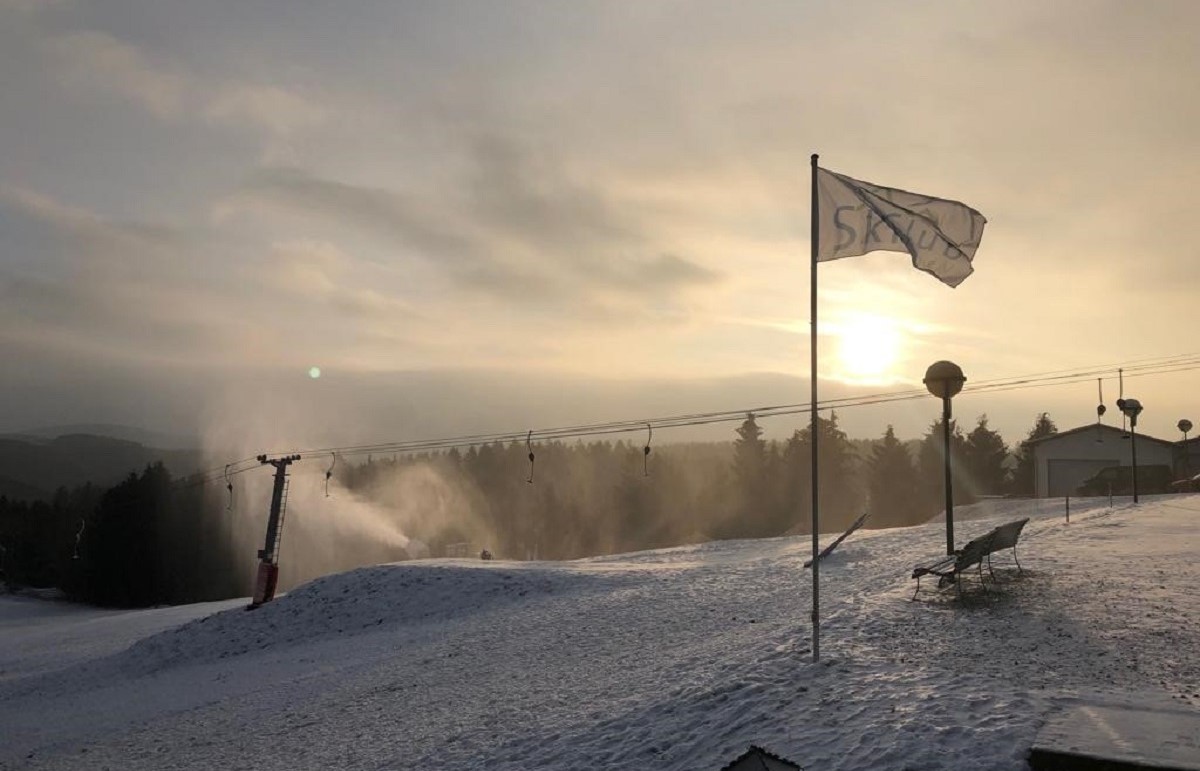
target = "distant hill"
x: 161, y: 440
x: 33, y: 467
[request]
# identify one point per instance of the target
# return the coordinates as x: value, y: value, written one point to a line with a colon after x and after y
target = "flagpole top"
x: 814, y: 159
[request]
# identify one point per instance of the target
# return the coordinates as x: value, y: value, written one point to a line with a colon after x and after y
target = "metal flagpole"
x: 812, y: 288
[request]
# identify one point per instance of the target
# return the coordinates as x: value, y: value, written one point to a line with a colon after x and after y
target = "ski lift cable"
x: 1062, y: 377
x: 1170, y: 364
x: 733, y: 415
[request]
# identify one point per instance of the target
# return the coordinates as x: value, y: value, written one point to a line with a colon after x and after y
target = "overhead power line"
x: 1135, y: 368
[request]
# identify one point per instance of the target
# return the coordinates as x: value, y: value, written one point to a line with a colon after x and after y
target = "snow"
x: 1137, y: 738
x: 672, y: 659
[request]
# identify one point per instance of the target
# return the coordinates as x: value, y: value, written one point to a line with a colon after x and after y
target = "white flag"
x: 858, y: 217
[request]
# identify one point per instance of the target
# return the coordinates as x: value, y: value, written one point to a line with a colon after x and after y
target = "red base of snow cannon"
x: 264, y: 584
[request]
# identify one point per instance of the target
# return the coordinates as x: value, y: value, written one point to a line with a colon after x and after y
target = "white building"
x: 1063, y: 461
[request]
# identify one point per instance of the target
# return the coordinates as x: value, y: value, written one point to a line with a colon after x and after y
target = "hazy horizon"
x: 393, y: 407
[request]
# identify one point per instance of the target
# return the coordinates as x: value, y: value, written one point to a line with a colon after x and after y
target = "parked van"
x: 1118, y: 480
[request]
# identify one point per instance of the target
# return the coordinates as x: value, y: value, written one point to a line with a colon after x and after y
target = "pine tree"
x: 984, y: 455
x: 840, y: 495
x: 1022, y: 482
x: 751, y: 474
x: 892, y: 484
x: 931, y: 469
x: 796, y: 481
x: 749, y: 455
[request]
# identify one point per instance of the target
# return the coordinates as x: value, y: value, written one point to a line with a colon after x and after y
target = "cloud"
x: 90, y: 60
x: 515, y: 229
x: 272, y: 109
x: 79, y: 239
x: 668, y: 270
x: 318, y: 273
x: 28, y: 7
x: 404, y: 221
x: 93, y: 59
x: 82, y: 284
x: 91, y: 287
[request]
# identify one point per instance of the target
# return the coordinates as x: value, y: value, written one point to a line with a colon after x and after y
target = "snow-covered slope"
x: 672, y: 659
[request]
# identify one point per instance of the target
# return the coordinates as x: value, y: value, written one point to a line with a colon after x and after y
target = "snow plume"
x: 396, y: 517
x: 322, y: 535
x: 328, y: 528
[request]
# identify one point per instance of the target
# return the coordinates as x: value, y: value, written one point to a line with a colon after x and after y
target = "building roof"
x: 758, y: 759
x: 1098, y: 427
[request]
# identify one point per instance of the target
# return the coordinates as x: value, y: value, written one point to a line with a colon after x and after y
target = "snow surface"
x: 672, y: 659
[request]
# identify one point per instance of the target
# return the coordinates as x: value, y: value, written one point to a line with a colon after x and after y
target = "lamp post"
x: 1132, y: 408
x: 1184, y: 426
x: 945, y: 379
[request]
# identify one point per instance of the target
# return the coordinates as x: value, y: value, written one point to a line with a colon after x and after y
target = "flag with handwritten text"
x: 858, y: 217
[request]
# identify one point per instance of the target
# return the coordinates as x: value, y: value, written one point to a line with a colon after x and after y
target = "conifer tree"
x: 840, y: 496
x: 892, y: 484
x: 984, y: 455
x: 931, y: 469
x: 751, y: 476
x: 1022, y: 482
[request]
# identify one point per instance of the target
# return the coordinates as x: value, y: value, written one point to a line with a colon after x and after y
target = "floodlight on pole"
x: 945, y: 379
x: 1131, y: 408
x: 1184, y: 426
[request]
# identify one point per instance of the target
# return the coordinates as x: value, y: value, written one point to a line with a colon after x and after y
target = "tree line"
x: 603, y: 498
x: 152, y: 540
x: 148, y: 540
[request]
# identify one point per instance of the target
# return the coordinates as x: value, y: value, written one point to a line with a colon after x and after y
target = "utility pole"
x: 268, y: 555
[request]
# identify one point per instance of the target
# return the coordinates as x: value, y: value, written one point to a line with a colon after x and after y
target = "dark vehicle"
x: 1118, y: 480
x: 1189, y: 485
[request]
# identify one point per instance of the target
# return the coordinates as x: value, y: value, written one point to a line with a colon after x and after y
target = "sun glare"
x: 868, y: 349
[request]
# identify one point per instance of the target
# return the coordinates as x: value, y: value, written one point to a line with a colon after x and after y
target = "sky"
x: 490, y: 216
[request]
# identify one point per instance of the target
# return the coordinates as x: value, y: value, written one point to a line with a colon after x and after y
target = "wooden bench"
x: 951, y: 567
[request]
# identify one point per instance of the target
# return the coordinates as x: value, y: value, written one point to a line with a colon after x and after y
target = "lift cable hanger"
x: 646, y: 451
x: 529, y: 446
x: 78, y: 536
x: 329, y: 473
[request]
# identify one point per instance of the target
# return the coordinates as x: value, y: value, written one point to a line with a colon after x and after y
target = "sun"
x: 868, y: 348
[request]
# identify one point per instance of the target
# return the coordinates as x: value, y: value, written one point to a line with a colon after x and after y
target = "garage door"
x: 1063, y: 476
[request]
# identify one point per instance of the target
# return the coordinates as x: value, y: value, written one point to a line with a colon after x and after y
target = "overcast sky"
x: 439, y: 204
